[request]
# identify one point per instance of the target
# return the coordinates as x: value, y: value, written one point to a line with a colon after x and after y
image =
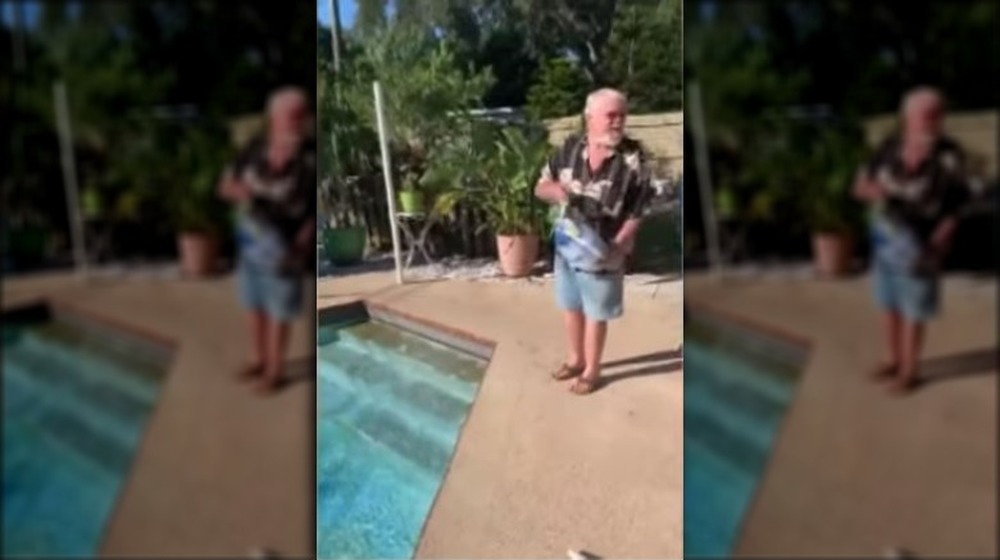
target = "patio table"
x: 415, y: 227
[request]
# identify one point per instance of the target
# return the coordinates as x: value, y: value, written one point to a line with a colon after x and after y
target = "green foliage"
x: 192, y: 181
x: 505, y: 188
x: 560, y: 90
x: 643, y: 55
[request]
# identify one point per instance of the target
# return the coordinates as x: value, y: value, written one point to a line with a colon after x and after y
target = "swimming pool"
x: 75, y: 405
x: 390, y: 407
x: 737, y: 388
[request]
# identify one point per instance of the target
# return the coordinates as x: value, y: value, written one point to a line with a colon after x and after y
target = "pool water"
x: 74, y: 408
x: 390, y: 406
x: 735, y: 397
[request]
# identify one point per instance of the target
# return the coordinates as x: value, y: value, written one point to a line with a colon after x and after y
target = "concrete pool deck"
x: 854, y: 470
x: 219, y: 469
x: 538, y: 470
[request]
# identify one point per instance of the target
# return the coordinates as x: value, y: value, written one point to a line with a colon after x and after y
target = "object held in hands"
x: 581, y: 245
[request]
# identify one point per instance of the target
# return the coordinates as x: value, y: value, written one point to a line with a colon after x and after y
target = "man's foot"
x: 567, y: 371
x: 269, y: 385
x: 249, y: 371
x: 904, y: 384
x: 585, y: 384
x: 884, y: 371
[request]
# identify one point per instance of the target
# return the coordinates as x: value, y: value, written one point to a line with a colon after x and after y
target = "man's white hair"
x: 920, y: 97
x: 604, y: 93
x: 285, y: 97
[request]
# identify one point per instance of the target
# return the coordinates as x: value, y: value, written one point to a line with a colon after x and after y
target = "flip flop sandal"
x: 902, y: 387
x: 584, y: 385
x: 566, y: 372
x: 883, y: 372
x: 248, y: 372
x: 267, y: 387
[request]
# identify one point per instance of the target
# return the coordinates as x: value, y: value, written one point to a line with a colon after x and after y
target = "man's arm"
x: 957, y: 196
x: 549, y: 188
x: 637, y: 198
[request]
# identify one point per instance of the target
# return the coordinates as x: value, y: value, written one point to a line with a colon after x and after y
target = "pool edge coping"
x: 803, y: 344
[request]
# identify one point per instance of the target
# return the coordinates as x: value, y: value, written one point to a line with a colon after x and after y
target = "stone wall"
x: 661, y: 133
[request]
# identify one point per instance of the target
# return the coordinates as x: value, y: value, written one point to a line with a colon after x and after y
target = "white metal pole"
x: 387, y: 173
x: 705, y: 179
x: 69, y: 177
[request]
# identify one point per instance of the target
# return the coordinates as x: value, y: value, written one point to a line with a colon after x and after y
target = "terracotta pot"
x: 518, y: 254
x: 832, y: 253
x: 199, y: 253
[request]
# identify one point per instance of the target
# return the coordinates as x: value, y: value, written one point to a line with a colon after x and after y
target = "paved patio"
x: 538, y: 470
x: 219, y: 470
x: 856, y: 471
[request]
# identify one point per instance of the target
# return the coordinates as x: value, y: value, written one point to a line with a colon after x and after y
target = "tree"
x: 559, y: 91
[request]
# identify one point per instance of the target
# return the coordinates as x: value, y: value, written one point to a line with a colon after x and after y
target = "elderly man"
x: 601, y: 183
x: 272, y: 182
x: 916, y: 185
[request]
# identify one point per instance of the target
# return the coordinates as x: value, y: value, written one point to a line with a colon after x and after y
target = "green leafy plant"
x: 507, y: 182
x: 825, y: 201
x: 195, y: 169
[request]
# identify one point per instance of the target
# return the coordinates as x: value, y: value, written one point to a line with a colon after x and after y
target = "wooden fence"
x: 362, y: 202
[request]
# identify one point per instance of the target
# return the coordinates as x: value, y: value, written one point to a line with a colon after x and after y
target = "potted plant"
x: 343, y: 244
x: 507, y: 198
x: 198, y: 215
x: 830, y: 212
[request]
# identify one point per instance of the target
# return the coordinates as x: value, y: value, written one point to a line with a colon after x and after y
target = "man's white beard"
x: 609, y: 139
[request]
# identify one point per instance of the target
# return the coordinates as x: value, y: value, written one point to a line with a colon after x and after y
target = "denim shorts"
x: 916, y: 298
x: 277, y: 296
x: 598, y: 294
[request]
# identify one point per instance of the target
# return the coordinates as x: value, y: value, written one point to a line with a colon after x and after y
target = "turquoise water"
x: 735, y: 398
x: 390, y: 409
x: 74, y: 411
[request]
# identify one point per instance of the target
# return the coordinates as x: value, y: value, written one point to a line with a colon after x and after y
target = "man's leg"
x: 568, y: 299
x: 892, y: 326
x: 575, y: 328
x: 919, y: 297
x: 248, y: 285
x: 284, y: 298
x: 602, y: 302
x: 910, y: 345
x: 277, y: 346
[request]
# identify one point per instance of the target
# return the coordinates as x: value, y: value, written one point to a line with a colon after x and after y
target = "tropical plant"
x: 826, y: 202
x: 506, y: 187
x: 193, y: 176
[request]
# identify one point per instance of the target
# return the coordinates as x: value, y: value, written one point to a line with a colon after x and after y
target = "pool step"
x: 396, y: 424
x: 85, y: 431
x: 414, y: 359
x: 730, y: 408
x: 84, y: 402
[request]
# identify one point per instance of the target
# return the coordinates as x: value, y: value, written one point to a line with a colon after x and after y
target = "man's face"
x: 289, y: 118
x: 606, y: 121
x: 925, y: 117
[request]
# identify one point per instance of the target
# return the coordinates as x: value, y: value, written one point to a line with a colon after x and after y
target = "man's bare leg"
x: 277, y: 344
x: 258, y: 344
x: 911, y: 342
x: 595, y: 334
x: 575, y: 327
x: 892, y: 326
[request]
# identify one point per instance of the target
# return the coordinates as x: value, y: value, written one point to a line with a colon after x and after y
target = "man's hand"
x: 867, y: 189
x: 552, y: 192
x: 233, y: 189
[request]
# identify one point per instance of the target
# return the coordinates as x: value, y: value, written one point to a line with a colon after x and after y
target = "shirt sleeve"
x: 243, y: 158
x: 550, y: 171
x: 957, y: 193
x: 882, y: 156
x: 639, y: 191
